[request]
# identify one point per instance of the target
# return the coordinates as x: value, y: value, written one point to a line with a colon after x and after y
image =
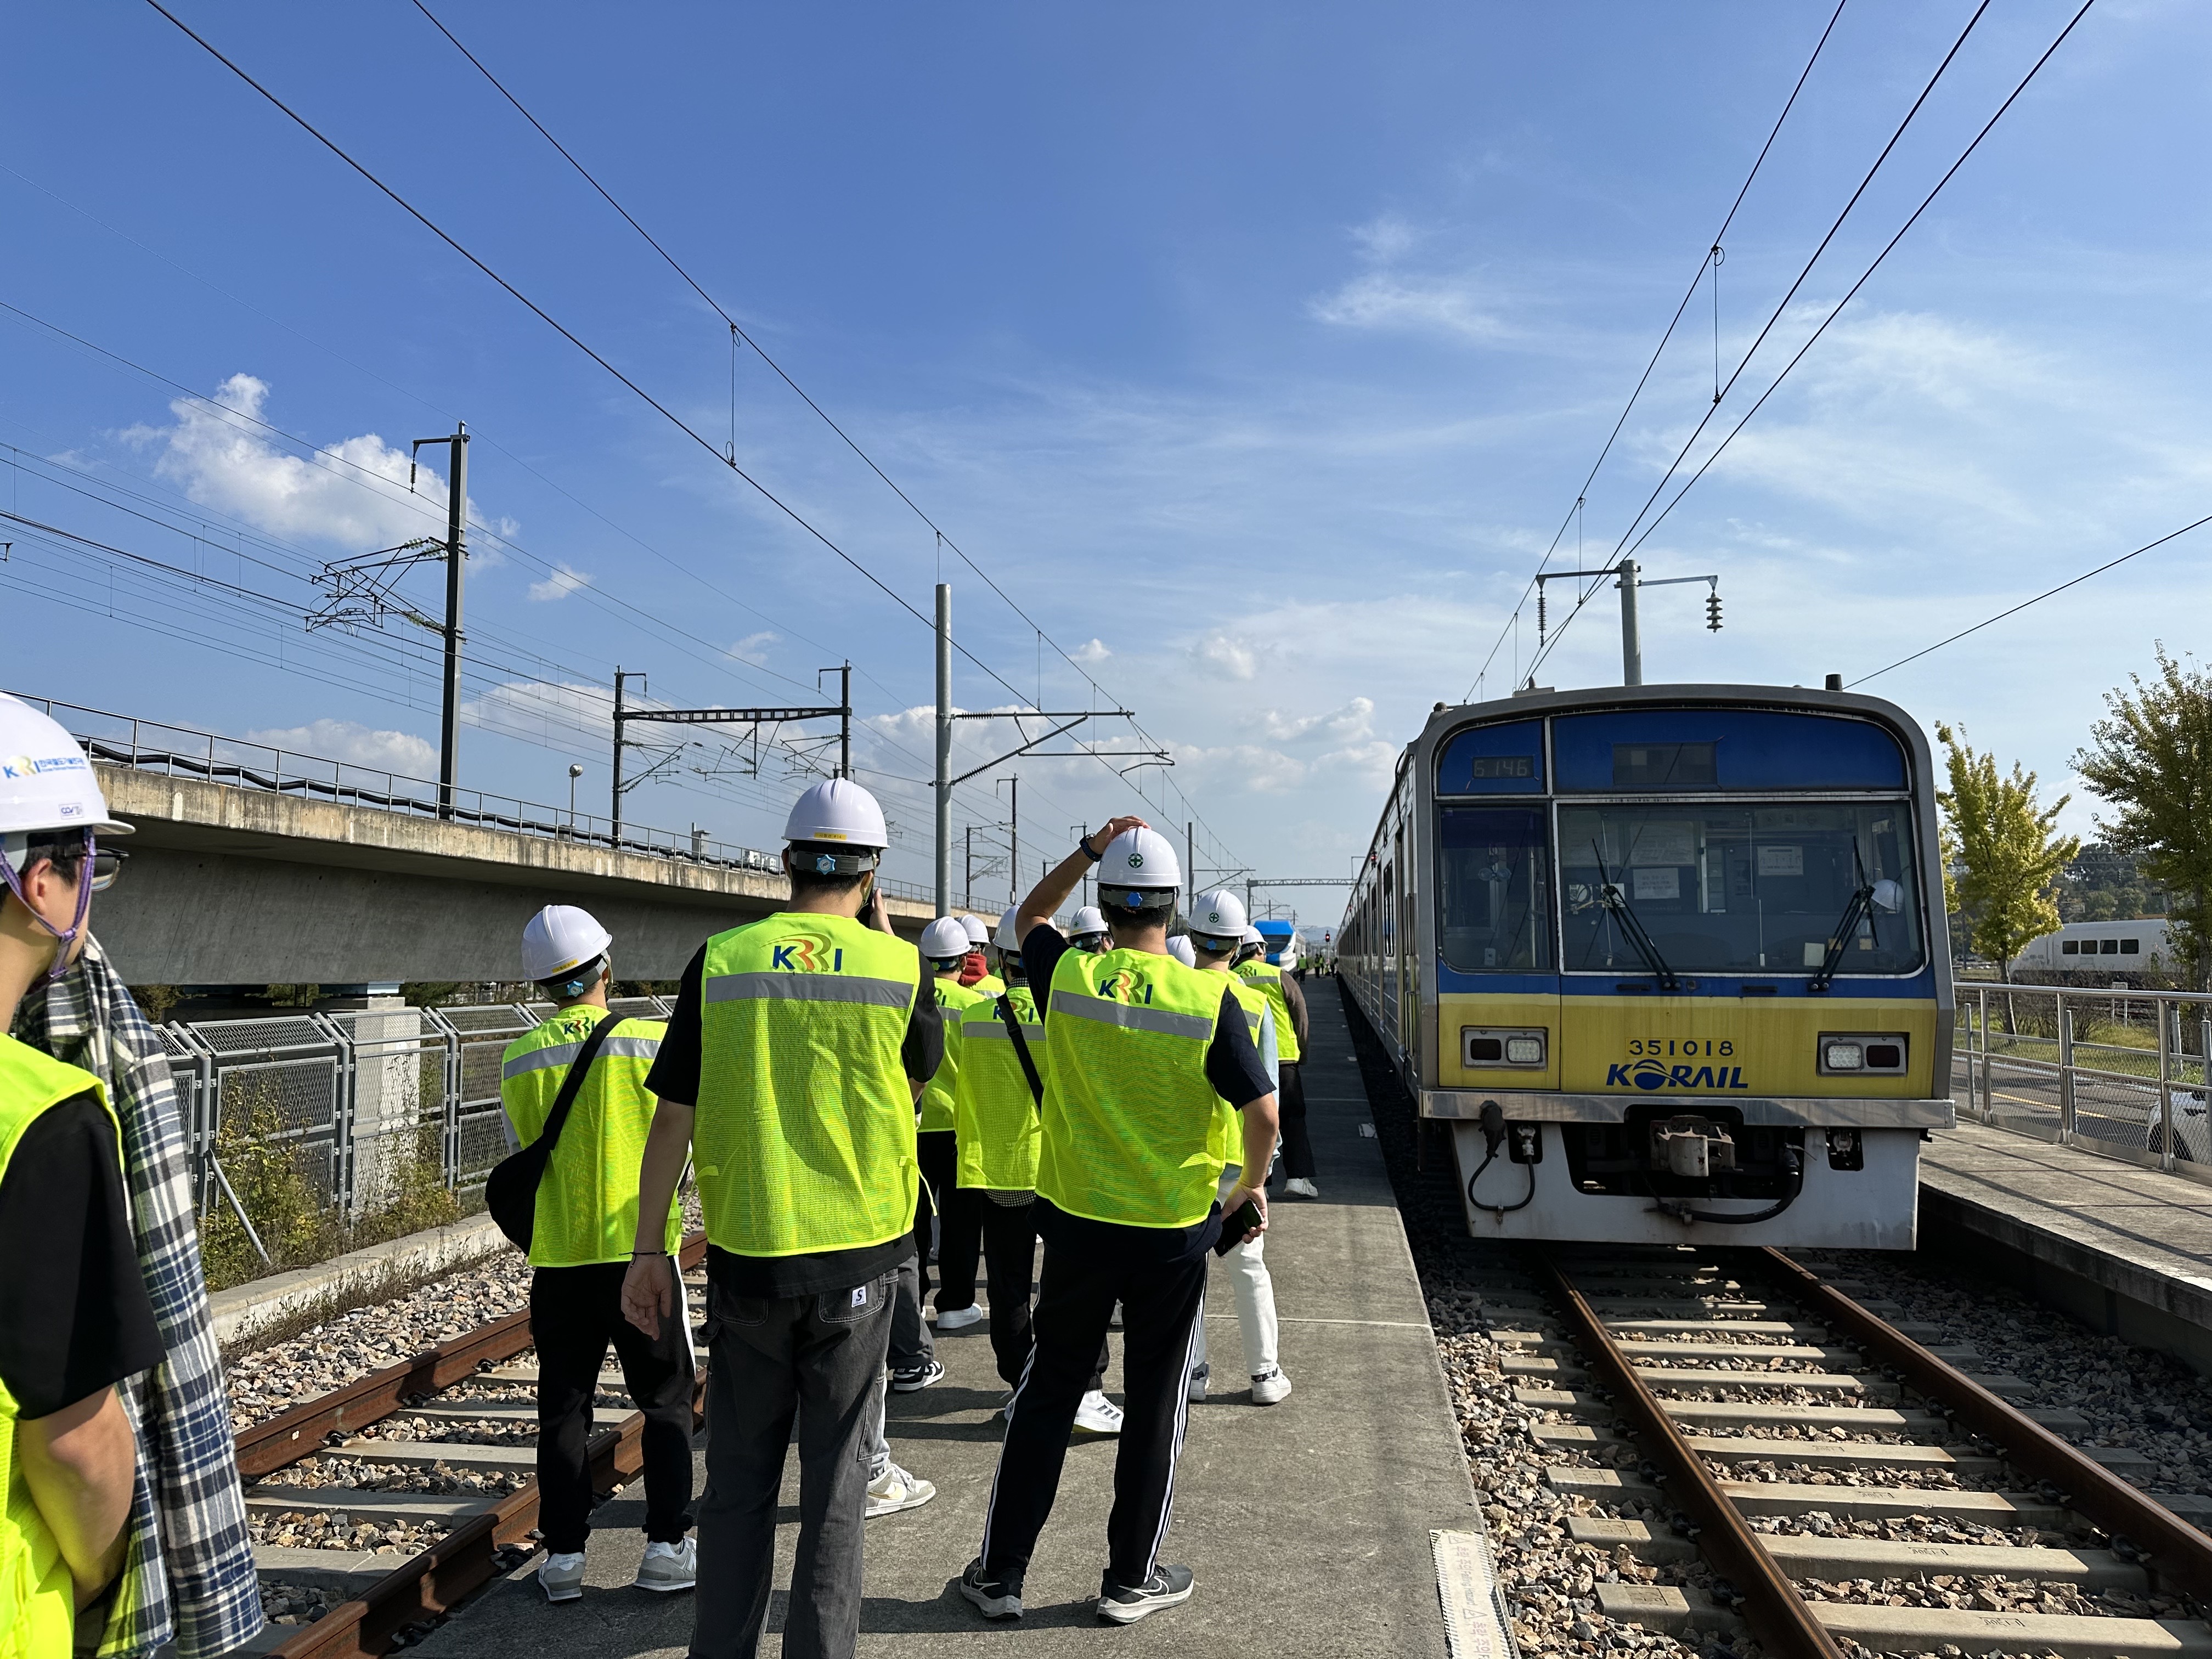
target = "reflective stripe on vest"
x: 587, y: 1199
x: 994, y: 1111
x: 1269, y: 979
x: 953, y: 998
x: 804, y: 1135
x: 37, y: 1594
x: 1128, y: 1113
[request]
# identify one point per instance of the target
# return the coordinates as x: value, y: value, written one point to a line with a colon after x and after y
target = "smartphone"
x: 1234, y: 1227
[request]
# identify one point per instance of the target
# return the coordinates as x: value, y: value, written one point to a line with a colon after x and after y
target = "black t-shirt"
x: 675, y: 1076
x: 1238, y: 1075
x: 74, y: 1316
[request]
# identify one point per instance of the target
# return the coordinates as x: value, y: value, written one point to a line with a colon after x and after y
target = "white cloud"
x: 1356, y: 719
x: 564, y: 581
x: 1455, y: 306
x: 1385, y: 237
x: 753, y: 648
x: 1091, y: 653
x: 353, y: 492
x: 355, y: 745
x: 1218, y: 651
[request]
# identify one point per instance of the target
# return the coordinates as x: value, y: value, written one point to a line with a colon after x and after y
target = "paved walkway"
x: 1307, y: 1523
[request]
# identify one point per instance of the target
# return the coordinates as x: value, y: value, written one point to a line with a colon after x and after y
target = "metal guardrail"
x: 2118, y: 1072
x: 185, y: 751
x: 355, y: 1093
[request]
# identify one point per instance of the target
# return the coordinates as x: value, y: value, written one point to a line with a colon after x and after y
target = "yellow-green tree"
x: 2008, y: 855
x: 2151, y: 759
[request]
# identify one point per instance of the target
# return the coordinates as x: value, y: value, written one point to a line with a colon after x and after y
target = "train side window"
x: 2130, y: 947
x: 2110, y: 947
x: 2069, y: 947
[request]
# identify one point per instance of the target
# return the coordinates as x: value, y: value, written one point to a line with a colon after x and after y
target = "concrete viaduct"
x: 233, y: 886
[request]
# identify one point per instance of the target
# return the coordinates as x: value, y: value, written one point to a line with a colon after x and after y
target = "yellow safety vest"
x: 587, y: 1199
x: 990, y: 986
x: 804, y: 1137
x: 994, y: 1112
x: 1269, y: 979
x: 38, y: 1618
x: 1129, y: 1114
x: 1228, y: 1122
x: 952, y: 997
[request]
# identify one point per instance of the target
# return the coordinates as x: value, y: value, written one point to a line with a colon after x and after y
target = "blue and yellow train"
x: 1670, y: 960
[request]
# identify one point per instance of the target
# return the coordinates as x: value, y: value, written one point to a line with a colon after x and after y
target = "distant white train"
x: 2099, y: 949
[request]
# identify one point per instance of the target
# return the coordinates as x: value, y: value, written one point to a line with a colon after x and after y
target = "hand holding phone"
x: 1248, y: 1218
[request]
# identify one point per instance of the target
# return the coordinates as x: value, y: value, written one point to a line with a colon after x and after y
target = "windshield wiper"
x: 1616, y: 906
x: 1860, y: 909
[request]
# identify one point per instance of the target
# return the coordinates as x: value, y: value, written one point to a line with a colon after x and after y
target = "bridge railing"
x: 2118, y: 1072
x: 358, y: 1101
x: 185, y: 751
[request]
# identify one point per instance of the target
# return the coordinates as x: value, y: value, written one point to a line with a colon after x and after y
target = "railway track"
x: 440, y: 1445
x: 1849, y: 1487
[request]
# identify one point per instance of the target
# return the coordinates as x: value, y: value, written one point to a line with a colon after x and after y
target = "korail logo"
x: 1651, y: 1075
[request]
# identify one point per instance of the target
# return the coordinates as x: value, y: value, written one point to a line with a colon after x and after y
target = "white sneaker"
x: 1302, y: 1186
x: 1271, y: 1388
x: 669, y: 1566
x: 1098, y: 1415
x: 894, y: 1490
x: 1198, y: 1381
x: 958, y: 1319
x: 561, y: 1577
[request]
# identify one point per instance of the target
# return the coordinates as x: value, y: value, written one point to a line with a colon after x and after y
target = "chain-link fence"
x: 2120, y: 1071
x: 361, y: 1106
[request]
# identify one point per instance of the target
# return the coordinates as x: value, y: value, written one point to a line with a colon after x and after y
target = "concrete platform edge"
x: 244, y: 1313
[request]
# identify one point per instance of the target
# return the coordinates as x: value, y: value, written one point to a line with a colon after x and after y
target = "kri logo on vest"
x: 807, y: 954
x: 1125, y: 986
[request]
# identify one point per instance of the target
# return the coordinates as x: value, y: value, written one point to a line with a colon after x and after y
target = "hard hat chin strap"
x: 68, y: 936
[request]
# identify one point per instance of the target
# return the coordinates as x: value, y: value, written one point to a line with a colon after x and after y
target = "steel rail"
x: 2180, y: 1554
x: 466, y: 1558
x: 1782, y: 1620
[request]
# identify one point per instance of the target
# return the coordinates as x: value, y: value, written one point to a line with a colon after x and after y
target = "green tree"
x: 2009, y: 859
x: 2151, y: 759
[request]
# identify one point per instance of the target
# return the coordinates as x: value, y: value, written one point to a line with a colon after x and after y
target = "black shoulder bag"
x: 1013, y: 1024
x: 511, y: 1190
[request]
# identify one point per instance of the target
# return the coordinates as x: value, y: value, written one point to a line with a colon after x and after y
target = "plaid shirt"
x: 188, y: 1572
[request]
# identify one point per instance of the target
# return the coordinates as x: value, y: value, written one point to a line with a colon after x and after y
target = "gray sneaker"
x: 669, y: 1566
x: 561, y: 1577
x: 894, y: 1490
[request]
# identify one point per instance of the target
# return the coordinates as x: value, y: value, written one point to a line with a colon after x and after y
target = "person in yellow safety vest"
x: 1217, y: 922
x: 74, y: 1316
x: 1088, y: 932
x: 797, y: 1050
x: 579, y: 1252
x: 1142, y: 1051
x: 995, y: 1109
x: 1290, y: 1030
x: 941, y: 1222
x: 975, y: 971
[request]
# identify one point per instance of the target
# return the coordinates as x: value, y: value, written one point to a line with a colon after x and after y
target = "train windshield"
x: 1740, y: 888
x: 1494, y: 889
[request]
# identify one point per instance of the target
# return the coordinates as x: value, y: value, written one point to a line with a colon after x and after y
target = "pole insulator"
x: 1713, y: 610
x: 1539, y: 612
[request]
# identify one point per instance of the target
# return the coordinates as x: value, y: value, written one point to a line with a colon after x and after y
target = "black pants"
x: 1010, y: 1258
x: 1291, y: 1099
x: 1161, y: 1306
x: 574, y: 1312
x: 959, y: 1226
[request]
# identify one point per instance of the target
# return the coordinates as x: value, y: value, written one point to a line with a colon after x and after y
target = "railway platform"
x: 1309, y: 1524
x: 2125, y: 1249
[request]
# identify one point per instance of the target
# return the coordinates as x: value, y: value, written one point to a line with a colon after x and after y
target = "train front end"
x: 1685, y: 965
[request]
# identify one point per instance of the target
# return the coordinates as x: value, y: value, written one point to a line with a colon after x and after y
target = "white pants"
x: 1255, y: 1294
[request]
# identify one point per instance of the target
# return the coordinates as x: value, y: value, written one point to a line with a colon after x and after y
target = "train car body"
x: 2099, y: 952
x: 1285, y: 943
x: 1670, y: 960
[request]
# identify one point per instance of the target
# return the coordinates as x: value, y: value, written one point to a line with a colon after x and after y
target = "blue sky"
x: 1257, y: 352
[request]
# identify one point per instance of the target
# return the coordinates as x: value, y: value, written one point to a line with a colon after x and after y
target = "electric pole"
x: 1631, y: 641
x: 944, y: 749
x: 457, y: 507
x: 615, y: 792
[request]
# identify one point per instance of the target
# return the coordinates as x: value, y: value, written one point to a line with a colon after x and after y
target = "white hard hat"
x: 1254, y: 936
x: 1008, y: 938
x: 1180, y: 948
x: 1219, y: 917
x: 1089, y: 920
x: 560, y: 937
x: 977, y: 933
x: 944, y: 940
x: 45, y: 782
x: 838, y: 810
x: 1141, y: 865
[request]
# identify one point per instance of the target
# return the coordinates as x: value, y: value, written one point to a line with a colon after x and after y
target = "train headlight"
x: 1483, y: 1047
x: 1858, y: 1052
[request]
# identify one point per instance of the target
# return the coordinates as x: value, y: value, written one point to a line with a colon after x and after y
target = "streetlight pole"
x: 574, y: 772
x: 944, y: 749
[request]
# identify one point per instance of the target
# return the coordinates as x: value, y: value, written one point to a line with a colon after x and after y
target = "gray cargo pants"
x: 818, y: 1358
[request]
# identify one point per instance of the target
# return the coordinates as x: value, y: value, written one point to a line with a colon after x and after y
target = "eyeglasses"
x: 68, y: 859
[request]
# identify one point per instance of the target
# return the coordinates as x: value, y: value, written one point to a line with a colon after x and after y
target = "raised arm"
x: 1060, y: 883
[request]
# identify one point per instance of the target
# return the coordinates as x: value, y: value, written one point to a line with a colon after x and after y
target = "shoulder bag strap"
x: 1013, y: 1024
x: 574, y: 1083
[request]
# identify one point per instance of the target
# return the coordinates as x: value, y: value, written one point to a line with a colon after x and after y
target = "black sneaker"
x: 917, y: 1379
x: 996, y: 1598
x: 1169, y: 1587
